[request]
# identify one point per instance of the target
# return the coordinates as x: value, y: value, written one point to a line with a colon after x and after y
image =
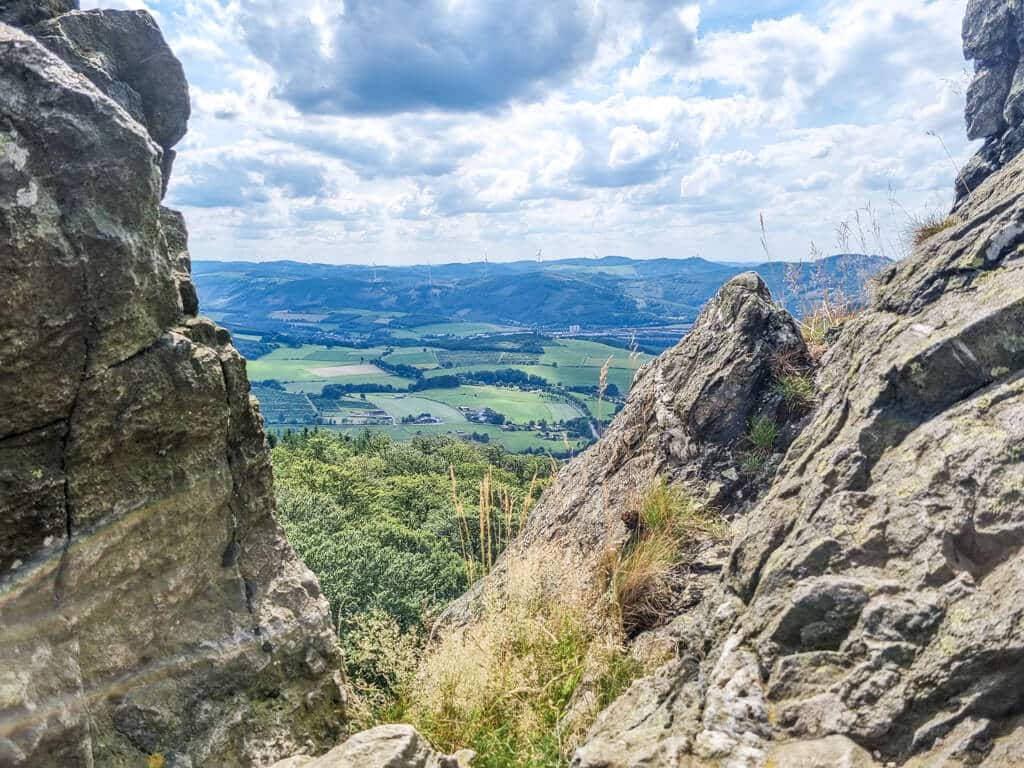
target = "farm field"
x: 513, y: 441
x: 309, y: 367
x: 518, y: 406
x: 302, y: 371
x: 400, y: 406
x: 456, y: 329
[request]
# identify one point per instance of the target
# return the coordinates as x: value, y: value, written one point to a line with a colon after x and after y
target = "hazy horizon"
x: 400, y: 133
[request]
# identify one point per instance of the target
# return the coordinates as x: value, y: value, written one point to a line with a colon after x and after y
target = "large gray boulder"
x: 22, y: 13
x: 993, y: 35
x: 149, y: 602
x: 386, y: 746
x: 124, y: 54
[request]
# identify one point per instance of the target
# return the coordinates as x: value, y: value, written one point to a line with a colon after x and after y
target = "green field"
x: 400, y: 406
x: 294, y: 367
x: 513, y: 441
x: 570, y: 362
x: 307, y: 369
x: 519, y: 407
x: 421, y: 357
x: 456, y: 329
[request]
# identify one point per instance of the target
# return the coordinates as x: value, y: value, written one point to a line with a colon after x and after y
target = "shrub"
x: 380, y: 660
x: 509, y: 685
x: 640, y: 576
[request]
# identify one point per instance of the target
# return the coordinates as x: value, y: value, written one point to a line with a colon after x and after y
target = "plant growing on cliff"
x: 508, y: 686
x: 640, y: 576
x: 761, y: 435
x: 924, y: 228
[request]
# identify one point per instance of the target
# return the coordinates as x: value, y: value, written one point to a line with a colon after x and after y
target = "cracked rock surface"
x: 149, y: 602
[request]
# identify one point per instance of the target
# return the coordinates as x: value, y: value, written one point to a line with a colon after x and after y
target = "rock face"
x: 870, y: 610
x: 873, y: 597
x: 124, y: 54
x: 149, y: 601
x: 993, y: 34
x: 20, y: 13
x: 386, y: 746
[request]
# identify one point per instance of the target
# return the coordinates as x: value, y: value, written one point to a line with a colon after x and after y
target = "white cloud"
x: 665, y: 132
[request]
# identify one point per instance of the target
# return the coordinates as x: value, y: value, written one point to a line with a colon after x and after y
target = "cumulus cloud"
x: 241, y: 178
x: 397, y: 130
x: 391, y: 56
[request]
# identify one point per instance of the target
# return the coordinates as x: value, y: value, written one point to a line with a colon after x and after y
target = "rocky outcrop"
x: 993, y: 34
x: 686, y: 419
x: 21, y: 13
x: 149, y: 601
x: 124, y: 54
x: 873, y: 597
x: 386, y: 746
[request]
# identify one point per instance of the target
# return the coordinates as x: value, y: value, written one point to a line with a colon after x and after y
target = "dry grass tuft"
x: 509, y: 685
x: 500, y: 516
x: 926, y: 227
x: 640, y: 577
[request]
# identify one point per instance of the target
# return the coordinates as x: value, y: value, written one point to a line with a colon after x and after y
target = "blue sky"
x: 407, y: 131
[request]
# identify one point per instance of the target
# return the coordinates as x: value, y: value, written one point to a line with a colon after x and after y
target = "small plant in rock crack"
x: 797, y: 389
x: 925, y: 227
x: 664, y: 521
x: 794, y: 382
x: 761, y: 435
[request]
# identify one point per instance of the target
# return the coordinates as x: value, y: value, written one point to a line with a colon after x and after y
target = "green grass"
x: 315, y: 386
x: 418, y: 356
x: 456, y: 329
x: 520, y: 407
x: 400, y: 406
x: 342, y: 355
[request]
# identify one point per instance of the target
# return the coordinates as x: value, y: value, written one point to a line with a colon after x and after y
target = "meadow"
x: 297, y: 375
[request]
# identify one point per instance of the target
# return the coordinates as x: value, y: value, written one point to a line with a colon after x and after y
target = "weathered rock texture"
x: 149, y: 602
x: 993, y: 35
x: 21, y: 13
x: 386, y: 746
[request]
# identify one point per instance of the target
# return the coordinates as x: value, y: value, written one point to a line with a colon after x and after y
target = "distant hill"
x: 596, y: 294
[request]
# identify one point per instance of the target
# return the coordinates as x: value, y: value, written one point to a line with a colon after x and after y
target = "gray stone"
x: 989, y: 29
x: 986, y: 100
x: 993, y: 34
x: 386, y: 746
x: 22, y: 13
x: 124, y: 54
x: 132, y: 458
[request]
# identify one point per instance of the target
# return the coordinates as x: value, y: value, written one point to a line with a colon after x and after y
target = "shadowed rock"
x: 124, y: 54
x: 22, y: 13
x: 993, y: 35
x: 148, y: 599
